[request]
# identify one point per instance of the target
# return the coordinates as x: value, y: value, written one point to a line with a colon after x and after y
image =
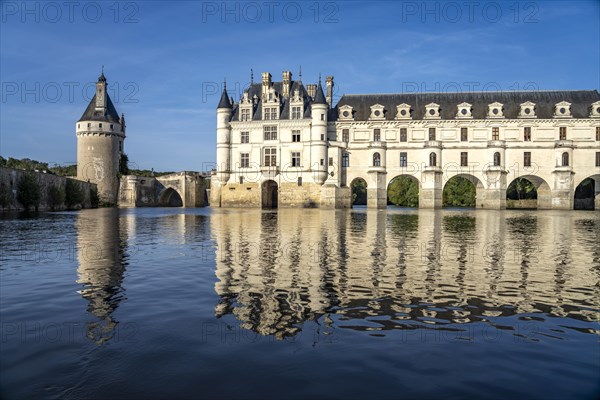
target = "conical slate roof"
x: 320, y: 96
x: 224, y: 102
x: 90, y: 114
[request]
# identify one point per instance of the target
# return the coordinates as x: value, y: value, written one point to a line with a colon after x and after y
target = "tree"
x: 459, y: 192
x: 73, y: 194
x: 359, y: 192
x: 404, y: 191
x: 521, y: 189
x: 5, y: 195
x: 28, y: 191
x: 124, y: 164
x: 56, y: 197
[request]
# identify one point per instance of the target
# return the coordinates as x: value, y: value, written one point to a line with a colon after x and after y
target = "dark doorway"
x: 269, y: 194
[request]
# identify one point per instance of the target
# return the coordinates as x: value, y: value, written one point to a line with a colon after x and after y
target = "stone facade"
x: 182, y: 189
x: 289, y: 137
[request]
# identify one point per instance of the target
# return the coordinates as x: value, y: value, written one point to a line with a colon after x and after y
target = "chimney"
x: 329, y: 89
x: 311, y: 89
x: 101, y: 94
x: 287, y: 83
x: 266, y: 84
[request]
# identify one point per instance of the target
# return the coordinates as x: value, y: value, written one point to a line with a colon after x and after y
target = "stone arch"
x: 407, y: 199
x: 543, y: 193
x: 477, y: 183
x: 170, y: 197
x: 269, y: 194
x: 361, y: 197
x: 586, y: 197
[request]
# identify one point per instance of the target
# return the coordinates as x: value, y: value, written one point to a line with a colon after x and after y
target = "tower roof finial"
x: 102, y: 78
x: 300, y: 74
x: 251, y: 76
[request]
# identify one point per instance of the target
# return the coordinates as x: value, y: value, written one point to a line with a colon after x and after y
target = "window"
x: 295, y: 159
x: 403, y: 135
x: 562, y: 133
x: 331, y: 161
x: 296, y: 112
x: 403, y: 159
x: 496, y: 159
x: 598, y: 134
x: 597, y: 159
x: 295, y: 136
x: 464, y: 134
x: 78, y: 128
x: 376, y: 160
x: 527, y: 134
x: 270, y: 113
x: 89, y: 125
x: 322, y: 117
x: 120, y: 146
x: 245, y: 116
x: 100, y: 125
x: 377, y: 135
x: 245, y: 137
x: 241, y: 180
x: 270, y: 157
x: 322, y: 137
x: 565, y: 159
x: 111, y: 126
x: 464, y: 159
x: 345, y: 159
x: 432, y: 159
x: 495, y: 133
x: 345, y: 135
x: 299, y: 181
x: 527, y: 159
x: 244, y: 160
x: 322, y: 161
x: 431, y: 133
x: 270, y: 132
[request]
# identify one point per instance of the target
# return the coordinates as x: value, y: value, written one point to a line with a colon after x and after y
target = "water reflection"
x: 378, y: 270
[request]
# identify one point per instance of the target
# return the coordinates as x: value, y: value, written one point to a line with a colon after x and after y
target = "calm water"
x: 173, y: 303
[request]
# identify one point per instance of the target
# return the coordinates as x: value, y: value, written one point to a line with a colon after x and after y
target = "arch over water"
x: 587, y: 193
x: 358, y: 192
x: 270, y: 194
x: 528, y: 191
x: 458, y: 193
x: 403, y: 190
x: 170, y: 198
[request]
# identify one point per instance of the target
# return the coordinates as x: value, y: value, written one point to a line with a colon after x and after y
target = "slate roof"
x: 224, y: 102
x: 320, y: 96
x: 90, y: 113
x: 545, y: 102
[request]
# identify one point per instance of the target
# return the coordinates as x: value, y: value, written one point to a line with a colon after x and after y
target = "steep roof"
x: 545, y: 102
x: 320, y: 96
x: 90, y: 113
x: 224, y: 102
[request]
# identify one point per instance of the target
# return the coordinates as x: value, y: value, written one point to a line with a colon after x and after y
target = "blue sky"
x: 165, y: 62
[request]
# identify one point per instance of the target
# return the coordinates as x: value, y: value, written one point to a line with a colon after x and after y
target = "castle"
x: 286, y: 144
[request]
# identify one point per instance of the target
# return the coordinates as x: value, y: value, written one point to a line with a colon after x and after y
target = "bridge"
x: 181, y: 189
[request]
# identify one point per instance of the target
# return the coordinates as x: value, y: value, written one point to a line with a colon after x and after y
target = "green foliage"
x: 28, y: 191
x: 521, y: 189
x: 359, y: 192
x: 26, y: 164
x: 64, y: 170
x: 56, y: 197
x: 404, y: 191
x: 73, y: 194
x: 5, y: 195
x: 124, y: 164
x: 2, y: 161
x: 459, y: 192
x: 94, y: 198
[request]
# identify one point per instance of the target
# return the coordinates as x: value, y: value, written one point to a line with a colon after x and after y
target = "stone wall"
x: 9, y: 179
x: 140, y: 191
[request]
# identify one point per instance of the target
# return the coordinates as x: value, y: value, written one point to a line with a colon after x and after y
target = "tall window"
x: 345, y: 135
x: 376, y: 160
x: 120, y: 146
x: 562, y: 133
x: 299, y: 181
x: 245, y: 115
x: 345, y: 159
x: 295, y: 136
x: 100, y: 125
x: 296, y: 112
x: 565, y: 159
x: 431, y: 133
x: 527, y: 159
x: 495, y: 133
x: 432, y: 159
x: 241, y: 180
x: 377, y: 135
x: 244, y: 160
x: 496, y: 159
x: 527, y: 134
x: 270, y: 132
x: 403, y: 159
x: 270, y: 157
x: 245, y: 137
x: 597, y: 159
x: 598, y: 134
x: 331, y: 161
x: 270, y: 113
x: 295, y: 159
x: 464, y: 159
x: 403, y: 135
x: 464, y: 134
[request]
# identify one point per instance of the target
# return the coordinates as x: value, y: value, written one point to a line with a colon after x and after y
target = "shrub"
x: 56, y: 197
x: 28, y: 191
x: 5, y: 195
x: 73, y: 194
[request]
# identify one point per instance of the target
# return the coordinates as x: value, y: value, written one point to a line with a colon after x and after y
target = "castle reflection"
x: 379, y: 270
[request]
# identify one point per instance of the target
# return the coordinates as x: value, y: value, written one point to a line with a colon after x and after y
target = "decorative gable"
x: 463, y: 110
x: 346, y: 113
x: 377, y: 112
x: 562, y: 110
x: 432, y: 111
x: 495, y: 110
x: 595, y: 111
x: 527, y: 110
x: 403, y: 111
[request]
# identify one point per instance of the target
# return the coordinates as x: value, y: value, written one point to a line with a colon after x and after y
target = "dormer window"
x: 296, y: 112
x: 245, y: 114
x: 562, y: 110
x: 403, y: 111
x: 377, y: 112
x: 246, y: 107
x: 595, y: 111
x: 346, y: 112
x: 527, y: 110
x: 432, y: 111
x: 464, y: 110
x: 495, y: 110
x: 270, y: 113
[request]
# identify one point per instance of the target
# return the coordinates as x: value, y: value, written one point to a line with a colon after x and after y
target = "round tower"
x: 318, y: 135
x: 100, y: 143
x: 224, y: 110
